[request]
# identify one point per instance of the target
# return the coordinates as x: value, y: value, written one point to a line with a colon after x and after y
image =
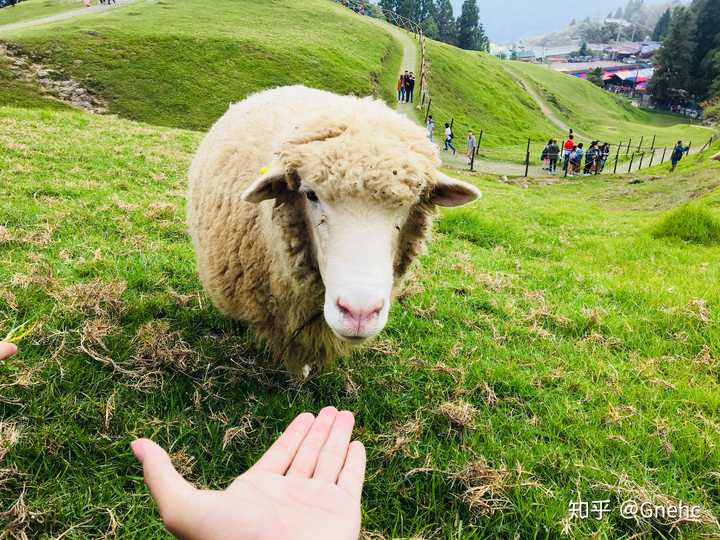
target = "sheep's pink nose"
x: 359, y: 315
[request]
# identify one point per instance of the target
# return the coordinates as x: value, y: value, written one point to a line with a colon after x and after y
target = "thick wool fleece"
x: 256, y: 261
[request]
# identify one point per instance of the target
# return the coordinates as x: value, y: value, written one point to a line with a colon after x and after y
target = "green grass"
x: 474, y: 90
x: 600, y: 115
x: 35, y: 9
x: 180, y: 64
x: 588, y: 349
x: 19, y: 93
x: 692, y: 223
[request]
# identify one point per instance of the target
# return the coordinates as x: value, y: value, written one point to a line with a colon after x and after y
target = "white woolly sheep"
x: 304, y: 203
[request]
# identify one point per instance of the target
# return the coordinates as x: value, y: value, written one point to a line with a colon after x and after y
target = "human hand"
x: 7, y: 350
x: 306, y: 486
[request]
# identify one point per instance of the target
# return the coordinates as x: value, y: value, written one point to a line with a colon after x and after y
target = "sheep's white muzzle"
x: 357, y: 314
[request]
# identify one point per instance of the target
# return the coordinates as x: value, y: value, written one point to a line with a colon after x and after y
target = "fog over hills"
x: 512, y: 20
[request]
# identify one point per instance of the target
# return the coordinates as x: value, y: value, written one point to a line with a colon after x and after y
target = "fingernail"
x: 138, y: 449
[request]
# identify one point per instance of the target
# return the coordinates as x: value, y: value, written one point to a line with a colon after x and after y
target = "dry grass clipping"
x: 461, y: 414
x: 9, y: 437
x: 93, y: 298
x: 158, y: 348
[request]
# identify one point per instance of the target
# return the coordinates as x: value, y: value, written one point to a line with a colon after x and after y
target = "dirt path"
x: 60, y: 17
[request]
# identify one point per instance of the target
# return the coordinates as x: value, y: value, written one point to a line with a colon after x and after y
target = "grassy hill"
x: 179, y: 64
x: 34, y: 9
x: 537, y: 352
x: 474, y: 90
x: 481, y: 92
x: 604, y: 116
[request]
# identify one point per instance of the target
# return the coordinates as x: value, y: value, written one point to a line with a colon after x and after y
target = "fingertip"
x: 138, y: 448
x: 328, y: 410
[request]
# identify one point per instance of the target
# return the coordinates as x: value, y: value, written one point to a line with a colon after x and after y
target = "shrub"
x: 692, y: 223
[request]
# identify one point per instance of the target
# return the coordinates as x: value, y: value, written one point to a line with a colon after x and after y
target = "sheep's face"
x: 357, y: 235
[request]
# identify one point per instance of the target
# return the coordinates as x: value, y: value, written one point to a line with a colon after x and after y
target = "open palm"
x: 306, y: 486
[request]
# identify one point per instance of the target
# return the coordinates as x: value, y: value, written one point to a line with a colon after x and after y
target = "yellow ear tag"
x: 264, y: 170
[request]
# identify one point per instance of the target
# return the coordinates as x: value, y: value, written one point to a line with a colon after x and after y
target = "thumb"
x: 169, y: 489
x: 7, y: 350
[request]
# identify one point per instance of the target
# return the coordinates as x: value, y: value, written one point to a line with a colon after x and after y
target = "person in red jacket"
x: 568, y: 147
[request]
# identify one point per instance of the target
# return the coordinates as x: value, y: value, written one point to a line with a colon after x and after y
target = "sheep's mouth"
x: 352, y: 338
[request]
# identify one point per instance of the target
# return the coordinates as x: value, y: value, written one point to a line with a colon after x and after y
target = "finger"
x: 333, y: 454
x: 352, y: 475
x: 280, y: 455
x: 169, y: 489
x: 307, y: 455
x: 7, y: 350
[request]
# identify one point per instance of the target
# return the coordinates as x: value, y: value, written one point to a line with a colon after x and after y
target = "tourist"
x: 591, y: 158
x: 471, y: 146
x: 407, y: 87
x: 401, y: 88
x: 604, y: 155
x: 677, y: 154
x: 448, y: 138
x: 554, y: 156
x: 545, y: 156
x: 430, y: 128
x: 575, y: 158
x: 411, y: 86
x: 568, y: 147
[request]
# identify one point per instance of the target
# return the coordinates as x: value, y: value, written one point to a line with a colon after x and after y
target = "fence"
x: 622, y: 157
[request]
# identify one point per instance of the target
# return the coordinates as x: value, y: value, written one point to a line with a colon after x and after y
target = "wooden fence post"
x: 641, y: 141
x: 631, y: 162
x: 663, y: 158
x: 617, y: 157
x: 627, y: 151
x: 527, y: 158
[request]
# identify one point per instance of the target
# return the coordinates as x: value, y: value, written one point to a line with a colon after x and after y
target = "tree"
x: 445, y: 20
x: 707, y: 15
x: 674, y: 71
x: 595, y: 76
x: 662, y: 26
x: 408, y: 9
x: 584, y: 51
x: 470, y: 33
x: 389, y: 5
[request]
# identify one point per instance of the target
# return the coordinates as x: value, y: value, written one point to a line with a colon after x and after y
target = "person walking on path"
x: 407, y: 87
x: 449, y: 138
x: 590, y: 158
x: 576, y: 157
x: 554, y: 155
x: 401, y: 88
x: 545, y: 156
x: 677, y: 154
x: 430, y: 128
x: 411, y: 86
x: 568, y: 147
x: 471, y: 146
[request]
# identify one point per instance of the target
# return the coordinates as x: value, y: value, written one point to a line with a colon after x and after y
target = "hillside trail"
x: 60, y: 16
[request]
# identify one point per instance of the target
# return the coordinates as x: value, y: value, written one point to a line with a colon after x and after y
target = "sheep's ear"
x: 268, y: 186
x: 451, y: 192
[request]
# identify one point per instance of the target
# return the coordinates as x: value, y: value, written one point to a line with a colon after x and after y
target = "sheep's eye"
x: 311, y: 196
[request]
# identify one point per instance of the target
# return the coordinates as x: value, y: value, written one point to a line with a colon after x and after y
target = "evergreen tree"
x: 707, y: 15
x: 619, y: 14
x: 595, y: 76
x: 426, y: 8
x: 662, y: 26
x: 674, y: 72
x: 408, y: 9
x: 584, y: 51
x: 470, y: 33
x: 389, y: 5
x: 445, y: 21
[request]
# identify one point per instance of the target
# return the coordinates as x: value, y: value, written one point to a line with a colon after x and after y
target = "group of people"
x: 449, y: 136
x: 595, y: 157
x: 406, y: 87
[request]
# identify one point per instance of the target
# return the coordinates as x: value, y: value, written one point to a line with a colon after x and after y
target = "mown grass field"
x: 548, y: 348
x: 34, y: 9
x: 600, y: 115
x: 180, y: 64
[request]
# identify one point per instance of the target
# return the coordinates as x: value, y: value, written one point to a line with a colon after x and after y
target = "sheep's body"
x: 254, y: 259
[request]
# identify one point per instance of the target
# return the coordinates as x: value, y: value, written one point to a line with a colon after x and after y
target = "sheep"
x: 305, y: 210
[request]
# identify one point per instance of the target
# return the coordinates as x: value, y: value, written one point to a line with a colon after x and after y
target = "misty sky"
x: 512, y: 20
